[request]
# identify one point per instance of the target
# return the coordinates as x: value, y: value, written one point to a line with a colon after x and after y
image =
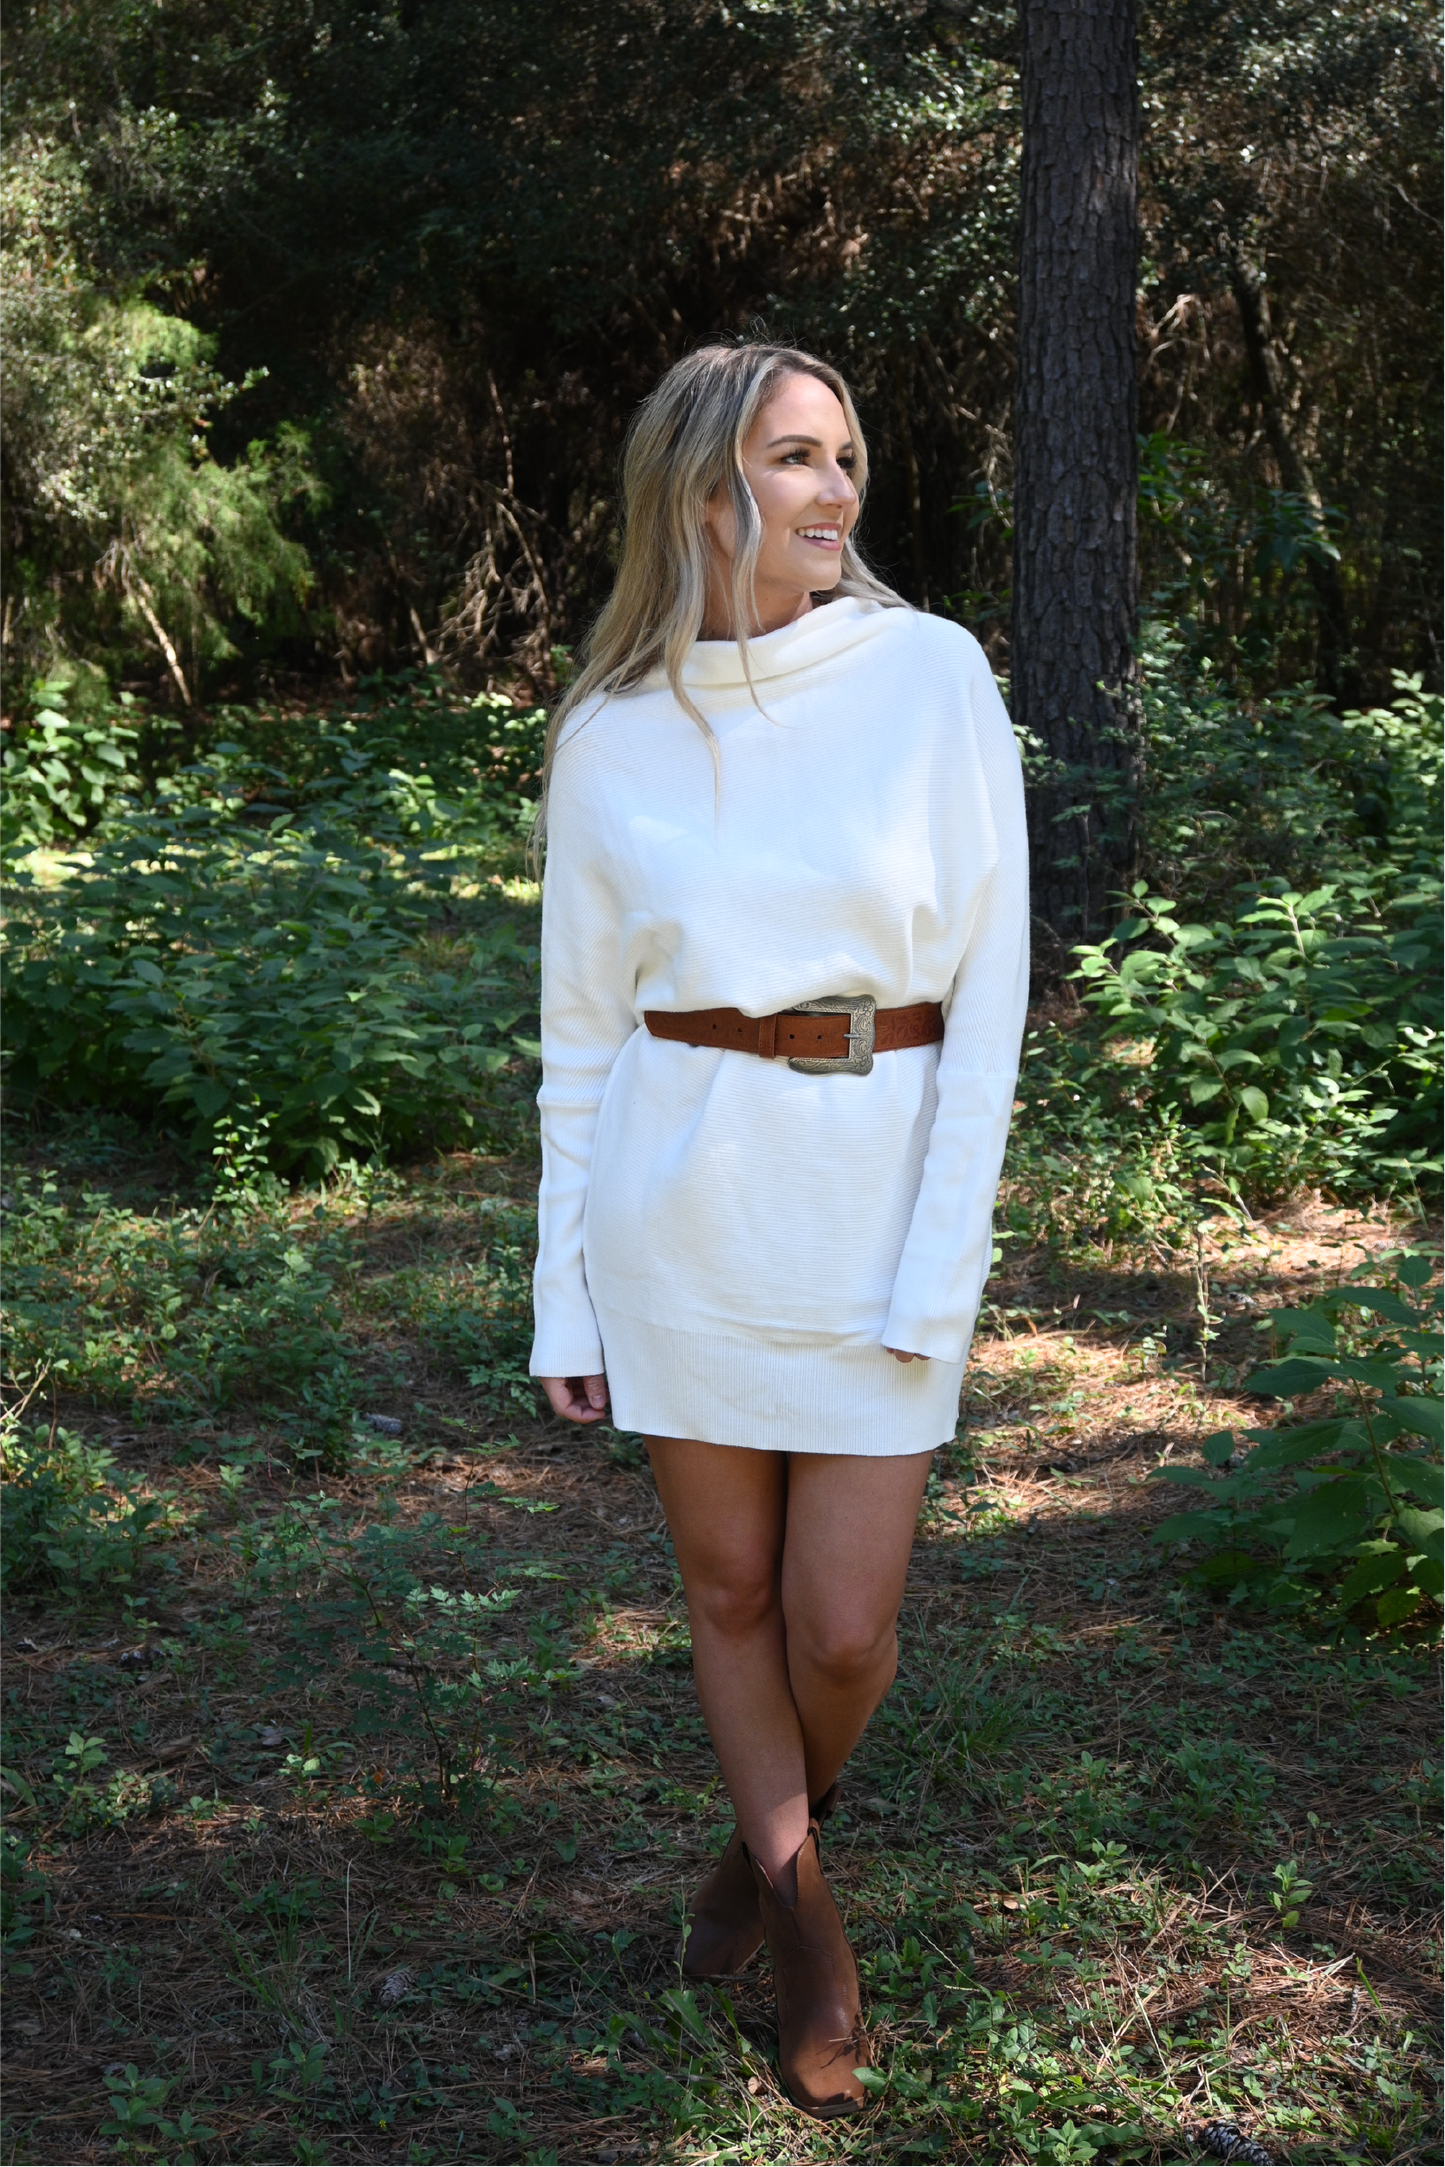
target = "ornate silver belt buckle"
x: 858, y: 1061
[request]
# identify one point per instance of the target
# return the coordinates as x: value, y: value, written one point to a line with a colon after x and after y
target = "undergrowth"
x: 1266, y: 1015
x: 358, y: 1748
x: 316, y: 952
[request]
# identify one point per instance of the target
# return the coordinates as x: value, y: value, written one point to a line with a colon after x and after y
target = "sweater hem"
x: 823, y: 1396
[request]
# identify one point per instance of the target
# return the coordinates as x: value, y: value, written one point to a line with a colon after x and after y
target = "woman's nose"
x: 835, y: 486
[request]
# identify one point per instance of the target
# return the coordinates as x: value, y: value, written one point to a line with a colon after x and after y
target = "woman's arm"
x: 587, y: 1018
x: 946, y: 1256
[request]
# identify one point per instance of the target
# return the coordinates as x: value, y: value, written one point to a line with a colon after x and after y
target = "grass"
x: 356, y: 1802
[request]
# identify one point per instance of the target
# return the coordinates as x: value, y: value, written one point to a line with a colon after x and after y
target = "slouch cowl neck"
x: 829, y: 629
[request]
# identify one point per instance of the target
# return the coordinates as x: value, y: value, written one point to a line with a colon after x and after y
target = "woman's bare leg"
x: 793, y: 1571
x: 845, y: 1560
x: 726, y: 1510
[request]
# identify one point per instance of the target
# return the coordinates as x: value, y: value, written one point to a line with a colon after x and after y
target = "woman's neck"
x: 773, y: 612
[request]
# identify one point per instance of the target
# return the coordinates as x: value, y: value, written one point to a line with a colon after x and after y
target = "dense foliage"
x: 299, y: 952
x: 314, y: 938
x: 322, y: 323
x: 1266, y: 1014
x: 1334, y: 1504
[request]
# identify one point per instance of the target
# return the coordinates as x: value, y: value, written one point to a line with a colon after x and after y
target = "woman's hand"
x: 899, y: 1356
x: 576, y: 1399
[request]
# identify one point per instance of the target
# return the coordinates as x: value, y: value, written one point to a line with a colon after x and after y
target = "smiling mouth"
x: 831, y: 536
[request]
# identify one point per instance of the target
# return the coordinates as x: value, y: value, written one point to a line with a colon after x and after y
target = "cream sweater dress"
x: 736, y: 1244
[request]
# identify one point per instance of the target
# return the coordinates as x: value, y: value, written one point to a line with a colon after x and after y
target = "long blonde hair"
x: 685, y: 443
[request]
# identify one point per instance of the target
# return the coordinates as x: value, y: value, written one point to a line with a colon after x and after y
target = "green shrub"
x: 482, y: 755
x: 63, y: 773
x: 1241, y: 791
x: 72, y: 1520
x: 193, y: 1311
x: 1329, y: 1512
x: 222, y: 956
x: 1270, y: 1031
x: 1300, y: 1038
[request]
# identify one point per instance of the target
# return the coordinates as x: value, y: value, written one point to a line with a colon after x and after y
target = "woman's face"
x: 799, y: 461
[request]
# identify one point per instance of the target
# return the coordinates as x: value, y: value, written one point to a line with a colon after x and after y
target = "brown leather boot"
x: 727, y: 1927
x: 821, y: 2040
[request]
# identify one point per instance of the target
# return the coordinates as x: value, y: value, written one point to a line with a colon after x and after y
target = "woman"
x: 784, y: 969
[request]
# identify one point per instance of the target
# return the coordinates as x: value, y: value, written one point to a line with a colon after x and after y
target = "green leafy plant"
x: 138, y: 2126
x: 1267, y: 1013
x: 73, y: 1520
x: 1290, y: 1894
x: 1299, y: 1040
x: 64, y: 774
x: 22, y: 1886
x: 234, y: 961
x: 1330, y: 1511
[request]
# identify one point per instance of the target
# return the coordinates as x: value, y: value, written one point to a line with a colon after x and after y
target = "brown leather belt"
x: 838, y: 1036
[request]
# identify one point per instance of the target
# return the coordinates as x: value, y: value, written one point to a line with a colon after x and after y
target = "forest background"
x: 321, y: 329
x: 324, y: 324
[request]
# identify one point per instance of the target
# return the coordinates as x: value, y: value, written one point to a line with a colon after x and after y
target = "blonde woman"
x: 784, y: 935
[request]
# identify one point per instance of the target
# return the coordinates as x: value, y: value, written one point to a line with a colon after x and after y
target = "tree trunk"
x: 1076, y: 456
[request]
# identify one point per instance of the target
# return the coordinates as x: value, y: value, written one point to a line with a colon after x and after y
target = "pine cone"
x: 1227, y: 2141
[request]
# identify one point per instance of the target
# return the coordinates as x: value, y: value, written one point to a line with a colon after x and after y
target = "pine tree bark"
x: 1076, y: 457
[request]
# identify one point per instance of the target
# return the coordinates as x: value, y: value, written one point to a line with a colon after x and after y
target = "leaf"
x: 1424, y: 1479
x: 209, y: 1097
x: 1415, y: 1271
x: 1312, y: 1329
x: 1423, y: 1531
x: 1254, y: 1102
x: 1287, y: 1379
x: 1302, y: 1373
x: 1331, y: 1518
x: 683, y: 2004
x: 1424, y: 1344
x: 1218, y: 1450
x: 1428, y: 1575
x: 16, y: 1785
x: 1380, y: 1301
x: 1398, y: 1604
x: 1381, y: 1569
x: 1421, y: 1414
x: 1310, y: 1441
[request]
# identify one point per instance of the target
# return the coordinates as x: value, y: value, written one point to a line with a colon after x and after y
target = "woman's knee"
x: 846, y: 1650
x: 734, y: 1602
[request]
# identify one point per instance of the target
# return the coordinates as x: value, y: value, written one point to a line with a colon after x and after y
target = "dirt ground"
x: 1057, y: 1850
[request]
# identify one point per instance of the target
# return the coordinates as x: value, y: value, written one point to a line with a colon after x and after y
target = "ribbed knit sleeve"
x: 945, y: 1261
x: 587, y: 1018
